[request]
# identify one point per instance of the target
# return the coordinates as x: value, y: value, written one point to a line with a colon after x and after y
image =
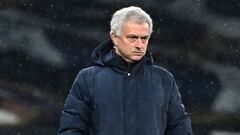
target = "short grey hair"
x: 131, y: 13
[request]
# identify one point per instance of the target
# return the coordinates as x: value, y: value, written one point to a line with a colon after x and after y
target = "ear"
x: 114, y: 38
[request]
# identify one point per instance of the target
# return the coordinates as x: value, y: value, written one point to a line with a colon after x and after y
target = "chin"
x: 137, y: 58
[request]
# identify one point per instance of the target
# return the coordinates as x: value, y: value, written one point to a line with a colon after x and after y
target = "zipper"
x: 126, y: 81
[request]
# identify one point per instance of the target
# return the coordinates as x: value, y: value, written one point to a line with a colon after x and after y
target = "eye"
x: 144, y: 38
x: 132, y: 38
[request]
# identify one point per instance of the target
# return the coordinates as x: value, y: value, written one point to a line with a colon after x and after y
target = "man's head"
x: 131, y: 28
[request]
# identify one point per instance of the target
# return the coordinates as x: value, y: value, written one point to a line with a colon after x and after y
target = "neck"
x: 128, y: 66
x: 124, y: 58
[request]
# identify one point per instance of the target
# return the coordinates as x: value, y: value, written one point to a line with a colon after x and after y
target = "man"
x: 123, y: 93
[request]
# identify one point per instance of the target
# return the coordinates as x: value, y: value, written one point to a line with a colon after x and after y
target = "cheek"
x: 131, y: 48
x: 128, y: 47
x: 145, y: 46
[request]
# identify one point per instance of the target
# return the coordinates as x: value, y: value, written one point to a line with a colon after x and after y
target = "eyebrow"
x: 135, y: 36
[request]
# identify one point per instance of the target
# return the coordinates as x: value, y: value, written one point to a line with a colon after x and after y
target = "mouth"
x: 137, y: 53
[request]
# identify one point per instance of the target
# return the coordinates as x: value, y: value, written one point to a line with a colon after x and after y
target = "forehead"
x: 136, y: 28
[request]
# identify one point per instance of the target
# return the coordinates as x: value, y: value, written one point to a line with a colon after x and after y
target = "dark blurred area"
x: 43, y: 45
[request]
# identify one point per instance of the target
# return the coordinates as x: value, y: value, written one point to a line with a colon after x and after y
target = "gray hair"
x: 131, y: 13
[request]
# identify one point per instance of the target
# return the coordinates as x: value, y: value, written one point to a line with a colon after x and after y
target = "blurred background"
x: 43, y: 45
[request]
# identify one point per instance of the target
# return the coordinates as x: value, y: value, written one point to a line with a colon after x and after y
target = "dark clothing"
x: 112, y: 97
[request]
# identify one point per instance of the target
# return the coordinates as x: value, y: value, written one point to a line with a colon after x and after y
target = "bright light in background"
x: 8, y: 118
x: 224, y: 133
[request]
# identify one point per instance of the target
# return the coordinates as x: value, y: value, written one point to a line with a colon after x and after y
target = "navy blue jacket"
x: 112, y: 97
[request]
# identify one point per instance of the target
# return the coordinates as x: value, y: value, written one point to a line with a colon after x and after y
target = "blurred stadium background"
x: 43, y: 44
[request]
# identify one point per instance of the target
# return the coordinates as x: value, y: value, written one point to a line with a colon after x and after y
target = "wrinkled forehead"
x: 135, y: 28
x: 134, y: 22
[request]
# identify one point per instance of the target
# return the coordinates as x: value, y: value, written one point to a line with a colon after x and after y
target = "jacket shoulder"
x: 162, y: 71
x: 89, y: 71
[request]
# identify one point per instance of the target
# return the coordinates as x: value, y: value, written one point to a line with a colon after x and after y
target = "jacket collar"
x: 104, y: 55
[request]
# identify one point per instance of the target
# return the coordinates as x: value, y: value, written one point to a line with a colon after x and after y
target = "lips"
x: 137, y: 53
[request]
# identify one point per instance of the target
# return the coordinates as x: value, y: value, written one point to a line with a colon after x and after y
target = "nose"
x: 139, y: 43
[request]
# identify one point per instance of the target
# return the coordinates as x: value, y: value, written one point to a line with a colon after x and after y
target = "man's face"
x: 132, y: 42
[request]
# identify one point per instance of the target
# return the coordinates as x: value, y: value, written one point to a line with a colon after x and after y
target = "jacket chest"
x: 115, y: 88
